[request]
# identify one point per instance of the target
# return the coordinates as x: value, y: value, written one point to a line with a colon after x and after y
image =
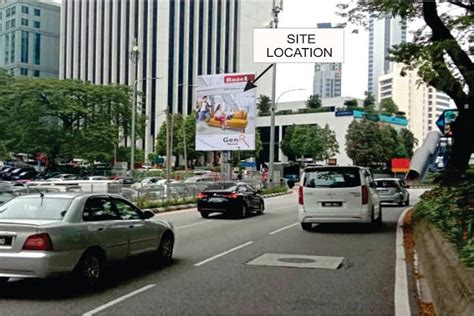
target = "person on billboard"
x: 221, y: 116
x: 203, y: 109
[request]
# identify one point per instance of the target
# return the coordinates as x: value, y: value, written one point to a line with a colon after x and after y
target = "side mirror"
x: 407, y: 186
x: 259, y: 191
x: 148, y: 214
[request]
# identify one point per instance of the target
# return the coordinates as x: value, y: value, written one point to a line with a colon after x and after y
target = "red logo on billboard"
x: 238, y: 78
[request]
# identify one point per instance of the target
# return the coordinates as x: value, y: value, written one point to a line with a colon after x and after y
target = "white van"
x: 336, y: 194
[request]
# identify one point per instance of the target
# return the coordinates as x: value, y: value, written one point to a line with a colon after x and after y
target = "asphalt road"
x: 210, y: 274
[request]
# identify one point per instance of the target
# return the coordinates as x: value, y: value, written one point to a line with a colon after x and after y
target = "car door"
x: 374, y: 196
x: 105, y: 228
x: 142, y: 233
x: 252, y: 194
x: 247, y: 195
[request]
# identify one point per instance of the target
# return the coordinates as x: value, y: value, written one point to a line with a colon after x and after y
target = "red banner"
x: 400, y: 165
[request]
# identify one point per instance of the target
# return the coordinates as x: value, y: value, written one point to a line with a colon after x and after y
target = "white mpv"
x: 335, y: 194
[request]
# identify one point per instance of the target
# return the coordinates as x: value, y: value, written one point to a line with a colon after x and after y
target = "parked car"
x: 64, y: 177
x: 393, y: 190
x: 14, y: 172
x: 94, y: 178
x: 6, y: 170
x: 146, y: 182
x: 25, y: 175
x: 230, y: 197
x: 48, y: 234
x: 197, y: 179
x: 337, y: 194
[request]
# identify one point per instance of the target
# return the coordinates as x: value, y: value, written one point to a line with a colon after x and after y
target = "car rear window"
x: 332, y: 178
x: 30, y: 207
x: 221, y: 186
x: 385, y: 184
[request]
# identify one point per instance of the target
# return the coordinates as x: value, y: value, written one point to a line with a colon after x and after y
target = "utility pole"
x: 184, y: 147
x: 277, y: 7
x: 168, y: 165
x: 134, y: 56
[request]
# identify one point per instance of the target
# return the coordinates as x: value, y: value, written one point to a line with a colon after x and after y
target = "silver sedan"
x: 49, y: 234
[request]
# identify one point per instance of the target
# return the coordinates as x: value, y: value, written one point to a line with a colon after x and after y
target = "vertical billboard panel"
x: 225, y: 114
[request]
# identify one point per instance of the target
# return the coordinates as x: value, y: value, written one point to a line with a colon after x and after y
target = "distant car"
x: 13, y: 173
x: 146, y: 182
x: 198, y: 179
x: 94, y: 178
x: 63, y: 177
x: 44, y: 235
x: 230, y: 198
x: 25, y: 175
x: 393, y: 190
x: 338, y: 194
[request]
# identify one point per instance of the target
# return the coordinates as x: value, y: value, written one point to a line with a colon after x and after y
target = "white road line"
x: 223, y: 254
x: 283, y: 228
x: 191, y: 225
x: 118, y: 300
x: 402, y: 302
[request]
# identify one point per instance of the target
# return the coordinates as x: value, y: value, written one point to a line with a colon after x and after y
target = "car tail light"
x: 300, y: 195
x: 201, y: 196
x: 365, y: 195
x: 233, y: 195
x: 38, y: 242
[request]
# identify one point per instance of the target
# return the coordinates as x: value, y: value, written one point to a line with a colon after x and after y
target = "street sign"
x: 445, y: 120
x: 344, y: 113
x: 248, y: 164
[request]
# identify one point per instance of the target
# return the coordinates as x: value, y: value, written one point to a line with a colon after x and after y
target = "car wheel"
x: 3, y: 280
x: 89, y: 269
x: 165, y: 249
x: 204, y: 214
x: 407, y: 202
x: 378, y: 221
x: 243, y: 211
x: 306, y: 226
x: 260, y: 209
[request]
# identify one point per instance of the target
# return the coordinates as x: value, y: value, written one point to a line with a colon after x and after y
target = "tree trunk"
x: 463, y: 144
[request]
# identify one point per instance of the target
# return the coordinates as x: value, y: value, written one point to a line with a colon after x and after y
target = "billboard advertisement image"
x: 225, y: 114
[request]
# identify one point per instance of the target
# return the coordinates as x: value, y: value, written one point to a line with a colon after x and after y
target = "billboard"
x: 225, y: 114
x: 400, y: 165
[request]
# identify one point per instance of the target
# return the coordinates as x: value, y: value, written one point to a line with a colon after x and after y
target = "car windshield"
x: 35, y: 207
x: 385, y: 184
x: 332, y: 178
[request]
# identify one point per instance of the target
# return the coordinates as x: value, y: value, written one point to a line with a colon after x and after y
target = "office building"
x: 177, y: 40
x: 327, y: 76
x: 383, y: 34
x: 29, y: 37
x: 421, y: 103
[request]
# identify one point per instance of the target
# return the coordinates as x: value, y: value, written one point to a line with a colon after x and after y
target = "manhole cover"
x: 296, y: 260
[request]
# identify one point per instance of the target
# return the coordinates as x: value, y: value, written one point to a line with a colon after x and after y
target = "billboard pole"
x: 276, y: 10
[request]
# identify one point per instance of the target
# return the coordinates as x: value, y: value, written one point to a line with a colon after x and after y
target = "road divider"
x: 223, y: 254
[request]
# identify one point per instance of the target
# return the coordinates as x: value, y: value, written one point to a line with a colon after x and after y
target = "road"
x: 210, y: 274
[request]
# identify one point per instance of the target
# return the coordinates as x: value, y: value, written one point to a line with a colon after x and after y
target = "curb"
x: 193, y: 205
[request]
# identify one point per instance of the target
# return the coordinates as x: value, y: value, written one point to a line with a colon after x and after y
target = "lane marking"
x: 283, y: 228
x: 118, y: 300
x: 223, y: 254
x: 191, y: 225
x: 402, y: 302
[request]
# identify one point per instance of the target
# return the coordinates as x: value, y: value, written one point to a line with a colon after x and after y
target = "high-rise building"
x: 421, y: 103
x: 327, y: 76
x: 383, y: 34
x: 29, y: 37
x: 177, y: 41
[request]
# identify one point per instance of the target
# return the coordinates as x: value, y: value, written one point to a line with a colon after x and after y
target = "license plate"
x: 5, y: 241
x: 215, y: 199
x: 332, y: 204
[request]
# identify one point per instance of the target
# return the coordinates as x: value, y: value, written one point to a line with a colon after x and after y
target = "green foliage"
x: 147, y: 203
x: 277, y: 189
x: 313, y: 102
x: 331, y: 146
x: 389, y: 106
x: 258, y: 148
x: 285, y: 143
x: 263, y: 105
x: 409, y: 141
x: 451, y: 210
x: 351, y: 104
x: 369, y: 100
x: 64, y: 118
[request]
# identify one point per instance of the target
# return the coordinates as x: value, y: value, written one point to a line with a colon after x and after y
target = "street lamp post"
x: 184, y: 132
x: 134, y: 56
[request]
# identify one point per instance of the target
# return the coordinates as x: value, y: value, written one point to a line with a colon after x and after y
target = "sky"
x: 307, y: 13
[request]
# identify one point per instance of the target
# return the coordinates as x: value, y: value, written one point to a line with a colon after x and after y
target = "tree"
x: 285, y: 143
x: 408, y: 140
x: 307, y: 140
x: 190, y: 134
x: 440, y: 53
x: 388, y: 105
x: 313, y: 102
x: 258, y: 148
x: 263, y: 105
x: 364, y: 143
x: 331, y: 146
x: 369, y: 100
x: 65, y: 118
x: 351, y: 104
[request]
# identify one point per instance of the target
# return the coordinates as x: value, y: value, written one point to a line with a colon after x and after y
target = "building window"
x: 430, y: 122
x: 7, y: 25
x: 13, y: 11
x: 430, y: 96
x: 36, y: 73
x: 24, y: 46
x: 24, y: 9
x: 23, y: 71
x: 12, y: 48
x: 36, y: 24
x: 37, y: 55
x: 24, y: 22
x: 37, y: 12
x: 429, y: 102
x: 430, y: 115
x: 430, y: 109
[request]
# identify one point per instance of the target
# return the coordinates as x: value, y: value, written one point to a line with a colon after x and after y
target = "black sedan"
x: 229, y: 197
